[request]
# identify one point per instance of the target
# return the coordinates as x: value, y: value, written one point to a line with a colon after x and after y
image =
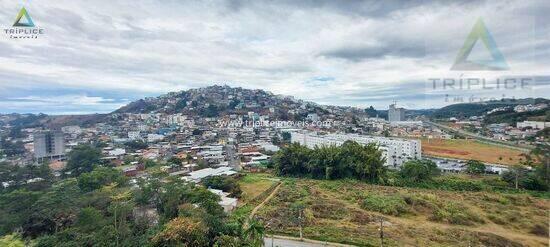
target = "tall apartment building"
x: 396, y: 114
x: 396, y: 151
x: 49, y: 144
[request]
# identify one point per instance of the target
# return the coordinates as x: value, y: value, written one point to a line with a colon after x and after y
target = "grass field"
x: 254, y: 184
x: 470, y: 149
x: 349, y: 211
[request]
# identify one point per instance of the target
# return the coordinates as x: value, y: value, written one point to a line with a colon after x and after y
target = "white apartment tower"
x: 396, y: 114
x: 396, y: 151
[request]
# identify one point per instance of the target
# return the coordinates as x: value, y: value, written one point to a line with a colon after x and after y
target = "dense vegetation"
x: 350, y: 160
x: 511, y: 117
x: 94, y: 205
x: 350, y: 211
x: 365, y: 162
x: 225, y: 183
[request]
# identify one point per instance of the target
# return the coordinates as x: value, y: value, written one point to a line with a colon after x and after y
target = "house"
x: 227, y: 203
x: 197, y: 176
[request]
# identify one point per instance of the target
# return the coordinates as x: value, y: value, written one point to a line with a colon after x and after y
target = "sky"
x: 95, y: 56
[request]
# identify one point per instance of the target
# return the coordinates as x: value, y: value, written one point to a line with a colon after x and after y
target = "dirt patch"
x: 444, y: 151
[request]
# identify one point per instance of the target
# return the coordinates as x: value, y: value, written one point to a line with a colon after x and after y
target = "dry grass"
x: 253, y: 184
x: 334, y: 211
x: 470, y: 149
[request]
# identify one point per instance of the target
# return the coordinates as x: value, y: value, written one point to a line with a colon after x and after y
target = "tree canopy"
x: 82, y: 159
x: 350, y: 160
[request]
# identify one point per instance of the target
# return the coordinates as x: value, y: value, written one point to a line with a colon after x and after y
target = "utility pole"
x: 381, y: 232
x: 300, y: 220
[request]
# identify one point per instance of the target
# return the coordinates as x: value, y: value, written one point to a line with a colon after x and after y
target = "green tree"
x: 98, y: 177
x: 82, y: 159
x: 292, y: 160
x: 182, y: 231
x: 254, y: 233
x: 475, y: 167
x: 419, y: 170
x: 541, y: 162
x: 12, y: 240
x: 16, y: 208
x: 90, y: 219
x: 55, y: 209
x: 350, y: 160
x: 12, y: 148
x: 136, y: 145
x: 225, y: 183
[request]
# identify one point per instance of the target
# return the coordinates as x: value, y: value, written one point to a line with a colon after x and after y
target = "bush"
x: 496, y: 198
x: 459, y: 184
x: 475, y: 167
x: 225, y: 183
x: 419, y: 170
x: 453, y: 213
x: 391, y: 205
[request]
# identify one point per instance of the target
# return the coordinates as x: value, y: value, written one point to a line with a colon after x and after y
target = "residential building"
x: 396, y: 114
x: 533, y: 125
x: 396, y: 151
x: 49, y: 144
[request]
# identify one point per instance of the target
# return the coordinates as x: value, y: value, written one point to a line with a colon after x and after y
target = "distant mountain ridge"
x: 215, y: 101
x: 465, y: 110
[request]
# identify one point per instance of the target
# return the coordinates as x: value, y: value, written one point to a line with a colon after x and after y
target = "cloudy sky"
x: 96, y: 56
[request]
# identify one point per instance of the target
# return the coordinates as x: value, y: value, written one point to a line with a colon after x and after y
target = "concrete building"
x: 396, y: 114
x: 227, y: 203
x: 533, y: 124
x: 197, y: 176
x: 49, y: 144
x: 134, y: 135
x: 396, y: 151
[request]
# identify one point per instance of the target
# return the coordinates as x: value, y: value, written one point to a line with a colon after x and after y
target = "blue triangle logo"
x: 480, y: 32
x: 23, y: 13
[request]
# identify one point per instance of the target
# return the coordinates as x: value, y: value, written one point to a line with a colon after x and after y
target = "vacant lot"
x: 349, y: 211
x: 253, y: 185
x: 470, y: 149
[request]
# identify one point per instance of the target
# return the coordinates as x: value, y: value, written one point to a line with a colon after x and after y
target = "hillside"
x: 348, y: 211
x: 51, y: 121
x: 215, y: 101
x: 465, y: 110
x: 511, y: 117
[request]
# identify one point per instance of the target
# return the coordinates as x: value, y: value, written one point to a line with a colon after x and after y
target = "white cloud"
x: 371, y: 50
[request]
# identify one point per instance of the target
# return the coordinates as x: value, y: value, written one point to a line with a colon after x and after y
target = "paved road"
x: 289, y: 243
x: 483, y: 138
x: 231, y: 154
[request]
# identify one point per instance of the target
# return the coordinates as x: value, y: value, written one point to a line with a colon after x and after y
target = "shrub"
x: 392, y: 205
x: 459, y: 184
x: 496, y: 198
x: 453, y: 213
x: 419, y: 170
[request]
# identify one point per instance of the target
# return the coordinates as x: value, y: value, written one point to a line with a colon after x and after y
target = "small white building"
x: 197, y: 176
x: 228, y: 203
x: 154, y: 137
x: 117, y: 152
x: 134, y: 135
